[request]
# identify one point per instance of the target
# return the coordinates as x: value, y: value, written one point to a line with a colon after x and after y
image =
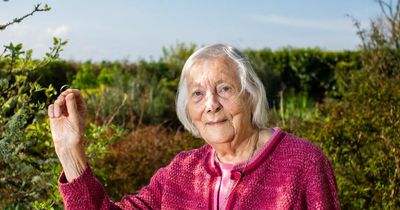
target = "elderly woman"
x: 244, y: 164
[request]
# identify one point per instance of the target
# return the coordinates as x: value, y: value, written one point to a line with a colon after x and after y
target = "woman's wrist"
x: 73, y: 161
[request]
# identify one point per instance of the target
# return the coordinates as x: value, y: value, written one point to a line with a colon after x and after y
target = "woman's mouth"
x: 216, y: 122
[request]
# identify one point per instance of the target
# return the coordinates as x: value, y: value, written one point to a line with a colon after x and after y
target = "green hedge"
x: 145, y: 91
x: 309, y: 71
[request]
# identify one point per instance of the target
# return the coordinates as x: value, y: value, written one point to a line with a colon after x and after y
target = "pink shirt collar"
x: 257, y: 158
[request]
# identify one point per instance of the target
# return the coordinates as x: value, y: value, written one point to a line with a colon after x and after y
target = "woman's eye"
x: 224, y: 90
x: 197, y: 96
x: 196, y: 93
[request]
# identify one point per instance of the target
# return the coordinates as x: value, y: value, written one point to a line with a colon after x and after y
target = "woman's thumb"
x: 72, y: 108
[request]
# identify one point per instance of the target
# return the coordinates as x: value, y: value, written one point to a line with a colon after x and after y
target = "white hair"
x: 250, y: 83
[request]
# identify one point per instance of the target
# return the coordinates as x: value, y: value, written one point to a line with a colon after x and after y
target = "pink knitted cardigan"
x: 289, y: 174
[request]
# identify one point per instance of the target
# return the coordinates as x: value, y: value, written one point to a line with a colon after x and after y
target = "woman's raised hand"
x: 67, y: 121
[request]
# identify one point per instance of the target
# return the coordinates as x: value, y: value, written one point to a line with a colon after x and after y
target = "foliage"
x: 133, y: 94
x: 300, y: 71
x: 144, y: 92
x: 28, y: 178
x: 360, y: 127
x: 27, y: 155
x: 25, y: 159
x: 175, y: 57
x: 85, y: 77
x: 24, y: 137
x: 293, y: 109
x: 57, y: 73
x: 97, y: 139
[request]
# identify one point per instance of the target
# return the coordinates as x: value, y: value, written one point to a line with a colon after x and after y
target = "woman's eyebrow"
x: 194, y: 83
x: 219, y: 81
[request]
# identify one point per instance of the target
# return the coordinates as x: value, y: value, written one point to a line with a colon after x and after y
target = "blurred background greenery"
x: 346, y: 102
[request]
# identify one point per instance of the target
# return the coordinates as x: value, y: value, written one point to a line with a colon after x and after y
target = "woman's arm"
x: 86, y: 192
x: 79, y: 187
x: 320, y: 185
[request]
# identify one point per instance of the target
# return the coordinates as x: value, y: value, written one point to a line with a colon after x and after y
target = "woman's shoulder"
x: 295, y: 147
x: 295, y: 155
x: 192, y: 157
x: 196, y: 151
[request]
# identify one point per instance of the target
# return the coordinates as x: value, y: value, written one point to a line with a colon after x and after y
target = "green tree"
x: 25, y: 159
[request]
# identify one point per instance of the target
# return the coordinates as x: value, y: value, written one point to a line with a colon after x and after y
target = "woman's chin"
x: 218, y: 137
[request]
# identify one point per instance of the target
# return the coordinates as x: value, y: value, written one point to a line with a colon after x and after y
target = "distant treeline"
x: 145, y: 90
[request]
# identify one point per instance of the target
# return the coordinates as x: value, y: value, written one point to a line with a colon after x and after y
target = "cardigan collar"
x: 256, y: 160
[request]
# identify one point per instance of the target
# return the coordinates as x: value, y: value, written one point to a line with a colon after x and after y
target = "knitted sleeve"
x: 86, y: 192
x: 320, y: 184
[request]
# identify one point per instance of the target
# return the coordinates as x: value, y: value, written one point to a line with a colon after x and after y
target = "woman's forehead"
x: 213, y: 70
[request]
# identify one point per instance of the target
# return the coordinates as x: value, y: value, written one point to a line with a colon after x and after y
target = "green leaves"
x: 360, y: 127
x: 24, y: 158
x: 46, y: 7
x: 55, y: 50
x: 300, y: 71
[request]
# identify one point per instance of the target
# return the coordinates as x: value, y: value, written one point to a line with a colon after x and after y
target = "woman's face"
x: 215, y: 107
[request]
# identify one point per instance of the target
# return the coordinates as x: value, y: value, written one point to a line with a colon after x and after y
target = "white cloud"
x: 344, y: 24
x: 58, y: 31
x: 33, y: 37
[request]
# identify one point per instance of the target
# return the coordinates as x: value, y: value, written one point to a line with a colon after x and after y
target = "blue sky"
x: 133, y: 29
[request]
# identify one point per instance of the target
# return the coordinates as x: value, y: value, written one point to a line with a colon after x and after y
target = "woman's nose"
x: 212, y: 104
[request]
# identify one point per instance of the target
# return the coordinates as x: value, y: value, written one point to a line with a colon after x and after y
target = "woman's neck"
x: 237, y: 150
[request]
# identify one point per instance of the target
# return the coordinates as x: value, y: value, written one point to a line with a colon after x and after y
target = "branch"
x: 385, y: 8
x: 18, y: 20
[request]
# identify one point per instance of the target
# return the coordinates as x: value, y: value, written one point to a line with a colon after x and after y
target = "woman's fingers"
x: 72, y: 108
x: 69, y: 104
x: 57, y: 108
x: 81, y: 105
x: 50, y: 111
x: 75, y: 91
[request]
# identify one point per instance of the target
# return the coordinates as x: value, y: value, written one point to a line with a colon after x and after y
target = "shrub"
x: 143, y: 96
x: 359, y: 129
x: 133, y: 94
x: 293, y: 109
x: 24, y: 156
x: 300, y: 71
